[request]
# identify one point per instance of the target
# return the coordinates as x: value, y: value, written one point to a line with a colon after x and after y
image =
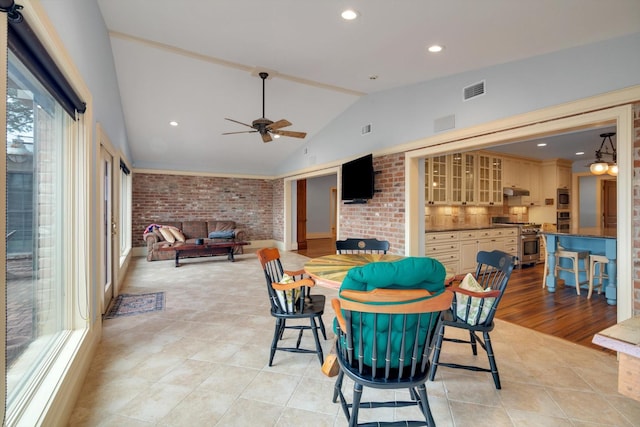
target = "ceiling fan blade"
x: 244, y: 131
x: 240, y: 123
x: 266, y: 137
x: 279, y: 124
x: 290, y: 133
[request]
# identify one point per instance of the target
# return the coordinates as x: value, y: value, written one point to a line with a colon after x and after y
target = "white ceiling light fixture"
x: 349, y: 14
x: 173, y: 123
x: 600, y: 167
x: 435, y: 48
x: 542, y: 144
x: 580, y: 153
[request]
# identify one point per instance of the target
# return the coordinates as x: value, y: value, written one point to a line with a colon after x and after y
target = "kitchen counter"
x: 595, y: 241
x: 624, y: 338
x: 606, y: 233
x: 468, y: 227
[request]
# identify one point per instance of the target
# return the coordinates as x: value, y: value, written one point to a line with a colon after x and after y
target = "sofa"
x: 191, y: 230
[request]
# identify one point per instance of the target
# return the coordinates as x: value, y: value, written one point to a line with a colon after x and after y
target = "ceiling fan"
x: 266, y: 127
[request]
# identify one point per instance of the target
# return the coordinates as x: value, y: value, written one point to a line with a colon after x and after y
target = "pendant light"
x: 600, y: 166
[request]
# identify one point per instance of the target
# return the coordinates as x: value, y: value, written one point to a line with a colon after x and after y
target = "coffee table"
x: 209, y: 247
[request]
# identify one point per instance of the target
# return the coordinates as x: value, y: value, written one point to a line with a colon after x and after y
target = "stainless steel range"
x: 528, y: 240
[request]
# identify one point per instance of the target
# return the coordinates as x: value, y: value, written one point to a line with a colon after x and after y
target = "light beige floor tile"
x: 199, y: 408
x: 156, y: 402
x: 528, y: 398
x: 271, y: 387
x: 534, y: 419
x: 469, y: 414
x: 587, y: 407
x: 293, y: 417
x: 315, y: 396
x: 231, y: 380
x: 245, y: 413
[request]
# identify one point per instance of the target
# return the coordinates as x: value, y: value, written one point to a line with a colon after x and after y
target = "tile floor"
x: 203, y: 362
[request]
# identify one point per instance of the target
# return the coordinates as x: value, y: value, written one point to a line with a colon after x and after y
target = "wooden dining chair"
x: 355, y: 246
x: 386, y: 315
x: 474, y: 311
x: 291, y: 301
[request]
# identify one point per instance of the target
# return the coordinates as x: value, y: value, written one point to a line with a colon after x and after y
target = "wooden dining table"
x: 330, y: 270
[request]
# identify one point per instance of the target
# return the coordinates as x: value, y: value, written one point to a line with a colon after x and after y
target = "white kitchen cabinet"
x: 457, y: 250
x: 489, y: 179
x: 445, y: 247
x: 555, y: 174
x: 463, y: 178
x: 435, y: 180
x: 535, y: 193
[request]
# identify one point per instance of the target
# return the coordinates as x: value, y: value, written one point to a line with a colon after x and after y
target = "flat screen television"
x: 358, y: 180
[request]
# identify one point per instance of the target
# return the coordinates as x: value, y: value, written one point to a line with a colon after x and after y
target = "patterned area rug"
x: 130, y: 304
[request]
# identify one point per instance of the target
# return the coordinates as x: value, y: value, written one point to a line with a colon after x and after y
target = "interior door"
x: 301, y: 192
x: 610, y: 204
x: 107, y: 225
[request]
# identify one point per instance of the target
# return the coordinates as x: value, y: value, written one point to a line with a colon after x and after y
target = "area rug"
x: 133, y: 304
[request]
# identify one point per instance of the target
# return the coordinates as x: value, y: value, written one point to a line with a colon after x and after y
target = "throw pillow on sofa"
x: 167, y: 234
x: 178, y: 235
x: 225, y: 234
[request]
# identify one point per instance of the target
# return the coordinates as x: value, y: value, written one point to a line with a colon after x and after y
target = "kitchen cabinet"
x: 555, y: 173
x: 457, y: 250
x: 463, y: 178
x: 522, y: 173
x: 445, y: 247
x: 489, y: 179
x: 435, y: 180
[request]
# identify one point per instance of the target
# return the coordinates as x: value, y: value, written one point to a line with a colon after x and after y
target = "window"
x: 46, y: 232
x: 125, y: 212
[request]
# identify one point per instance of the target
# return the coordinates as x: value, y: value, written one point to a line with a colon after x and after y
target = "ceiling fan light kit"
x: 265, y: 127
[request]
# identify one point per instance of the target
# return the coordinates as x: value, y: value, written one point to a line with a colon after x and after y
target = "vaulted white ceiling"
x: 195, y: 62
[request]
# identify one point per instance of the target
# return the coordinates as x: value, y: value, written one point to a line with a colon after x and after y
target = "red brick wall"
x: 164, y: 197
x: 636, y: 210
x: 383, y: 217
x: 278, y: 209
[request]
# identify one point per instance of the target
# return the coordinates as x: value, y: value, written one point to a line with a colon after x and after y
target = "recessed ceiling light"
x: 349, y: 14
x: 276, y: 136
x: 542, y: 144
x: 580, y: 153
x: 173, y: 123
x: 435, y: 48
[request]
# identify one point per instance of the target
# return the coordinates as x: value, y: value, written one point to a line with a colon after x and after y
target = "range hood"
x: 514, y: 192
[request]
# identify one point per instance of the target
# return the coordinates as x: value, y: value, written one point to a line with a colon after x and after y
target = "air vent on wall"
x: 474, y: 90
x: 366, y: 129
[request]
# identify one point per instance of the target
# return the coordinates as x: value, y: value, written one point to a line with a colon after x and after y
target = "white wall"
x: 407, y: 114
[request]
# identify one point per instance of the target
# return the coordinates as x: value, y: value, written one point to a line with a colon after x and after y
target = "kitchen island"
x: 597, y: 242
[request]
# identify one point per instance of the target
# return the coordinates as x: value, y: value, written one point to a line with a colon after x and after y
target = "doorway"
x: 107, y: 226
x: 610, y: 205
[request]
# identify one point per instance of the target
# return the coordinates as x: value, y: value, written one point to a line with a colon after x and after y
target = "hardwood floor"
x: 563, y: 314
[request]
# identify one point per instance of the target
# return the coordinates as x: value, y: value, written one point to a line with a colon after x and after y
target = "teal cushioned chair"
x: 386, y: 315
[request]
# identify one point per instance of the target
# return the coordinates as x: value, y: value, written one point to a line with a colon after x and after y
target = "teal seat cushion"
x: 408, y: 273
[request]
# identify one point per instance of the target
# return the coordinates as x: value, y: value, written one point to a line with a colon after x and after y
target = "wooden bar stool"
x: 575, y: 257
x: 597, y: 261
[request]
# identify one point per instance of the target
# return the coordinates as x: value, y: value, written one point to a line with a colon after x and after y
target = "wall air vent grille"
x: 473, y: 91
x: 366, y: 129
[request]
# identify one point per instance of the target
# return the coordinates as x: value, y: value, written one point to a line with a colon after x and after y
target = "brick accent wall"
x: 165, y: 197
x: 278, y: 209
x: 383, y: 217
x: 636, y: 210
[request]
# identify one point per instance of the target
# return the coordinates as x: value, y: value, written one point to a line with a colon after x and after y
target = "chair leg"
x: 492, y: 360
x: 337, y: 386
x: 355, y: 406
x: 314, y: 329
x: 474, y: 344
x: 576, y: 269
x: 277, y: 334
x: 324, y: 333
x: 436, y: 353
x: 424, y: 405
